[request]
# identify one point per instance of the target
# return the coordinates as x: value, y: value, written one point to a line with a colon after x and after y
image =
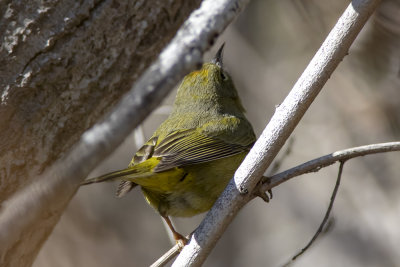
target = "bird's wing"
x: 144, y: 153
x: 187, y: 147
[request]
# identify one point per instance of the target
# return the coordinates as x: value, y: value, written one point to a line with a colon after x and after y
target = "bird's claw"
x: 181, y: 243
x: 262, y: 194
x: 180, y: 240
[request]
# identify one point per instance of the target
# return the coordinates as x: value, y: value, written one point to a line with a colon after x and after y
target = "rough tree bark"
x: 63, y: 65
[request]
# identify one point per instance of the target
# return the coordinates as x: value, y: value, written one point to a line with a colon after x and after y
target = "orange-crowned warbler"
x: 190, y: 158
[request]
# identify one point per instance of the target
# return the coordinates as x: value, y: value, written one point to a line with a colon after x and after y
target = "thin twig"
x: 318, y: 163
x: 322, y: 225
x: 167, y: 257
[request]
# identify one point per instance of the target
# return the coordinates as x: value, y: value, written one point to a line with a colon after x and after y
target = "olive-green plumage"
x: 193, y: 154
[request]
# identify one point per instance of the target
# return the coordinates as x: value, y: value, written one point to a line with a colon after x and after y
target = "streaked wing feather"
x: 144, y: 153
x: 189, y: 147
x: 124, y: 187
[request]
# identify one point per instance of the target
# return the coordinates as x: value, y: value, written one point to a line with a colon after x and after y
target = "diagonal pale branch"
x: 306, y: 167
x: 283, y: 122
x: 324, y: 161
x: 31, y: 214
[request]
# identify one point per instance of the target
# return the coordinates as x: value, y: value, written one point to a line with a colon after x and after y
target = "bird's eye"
x: 223, y: 76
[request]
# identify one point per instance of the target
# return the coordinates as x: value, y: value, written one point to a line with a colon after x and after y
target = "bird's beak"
x: 218, y: 57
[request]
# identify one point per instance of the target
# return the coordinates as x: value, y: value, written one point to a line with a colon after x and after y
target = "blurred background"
x: 267, y: 48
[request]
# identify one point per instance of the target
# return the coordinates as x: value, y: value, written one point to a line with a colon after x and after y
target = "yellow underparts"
x: 189, y: 190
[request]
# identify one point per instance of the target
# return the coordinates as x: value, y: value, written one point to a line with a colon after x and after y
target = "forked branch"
x: 307, y: 167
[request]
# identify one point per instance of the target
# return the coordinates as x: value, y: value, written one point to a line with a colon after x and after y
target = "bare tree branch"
x: 285, y: 119
x: 307, y: 167
x: 28, y: 217
x: 321, y: 162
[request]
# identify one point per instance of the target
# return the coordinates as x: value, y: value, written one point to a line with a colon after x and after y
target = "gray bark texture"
x: 64, y: 64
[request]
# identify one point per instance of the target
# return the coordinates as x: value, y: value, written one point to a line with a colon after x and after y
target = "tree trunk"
x: 63, y: 65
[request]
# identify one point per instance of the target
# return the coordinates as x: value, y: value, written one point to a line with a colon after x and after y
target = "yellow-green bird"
x: 187, y: 163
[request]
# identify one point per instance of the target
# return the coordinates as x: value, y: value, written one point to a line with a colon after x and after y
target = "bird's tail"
x: 112, y: 176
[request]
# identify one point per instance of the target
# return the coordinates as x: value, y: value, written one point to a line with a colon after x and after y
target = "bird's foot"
x: 181, y: 241
x: 262, y: 194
